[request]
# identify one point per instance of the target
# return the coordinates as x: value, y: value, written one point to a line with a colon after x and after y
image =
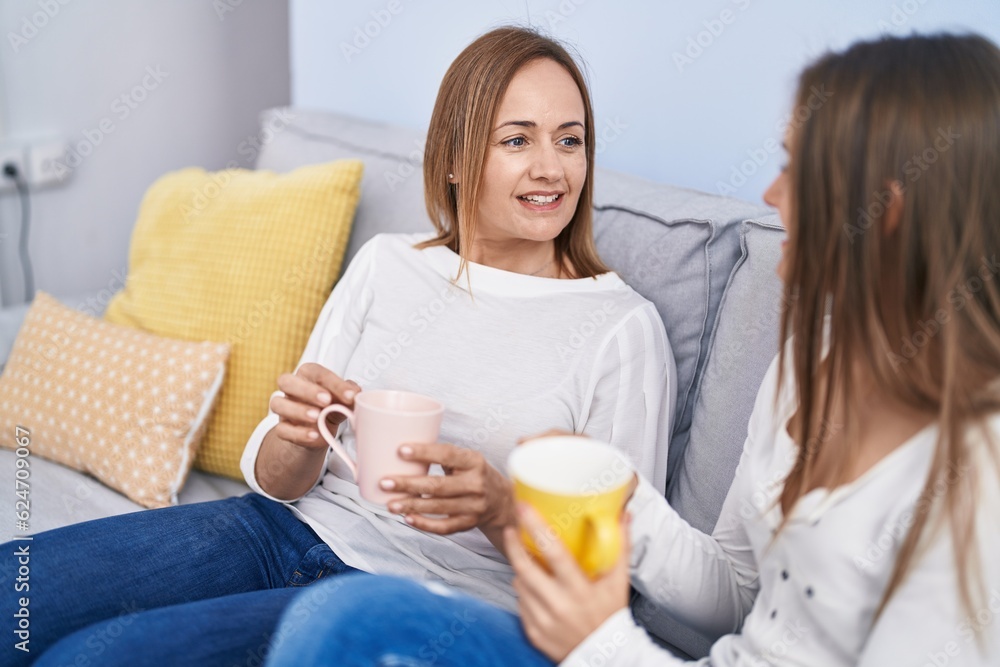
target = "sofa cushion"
x: 677, y: 248
x: 243, y: 257
x: 743, y: 344
x: 393, y: 183
x: 126, y: 406
x: 61, y: 496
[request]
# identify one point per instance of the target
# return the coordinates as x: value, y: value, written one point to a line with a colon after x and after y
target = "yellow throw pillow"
x: 242, y: 257
x: 125, y: 406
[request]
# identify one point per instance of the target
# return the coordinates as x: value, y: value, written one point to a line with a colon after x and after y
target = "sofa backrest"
x: 742, y: 345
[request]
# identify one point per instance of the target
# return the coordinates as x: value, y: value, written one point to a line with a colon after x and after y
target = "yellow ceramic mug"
x: 579, y: 486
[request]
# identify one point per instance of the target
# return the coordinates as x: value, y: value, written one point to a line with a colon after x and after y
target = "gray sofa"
x: 707, y: 262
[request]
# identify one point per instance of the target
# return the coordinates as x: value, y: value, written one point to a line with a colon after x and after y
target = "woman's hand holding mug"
x: 307, y: 391
x: 471, y: 493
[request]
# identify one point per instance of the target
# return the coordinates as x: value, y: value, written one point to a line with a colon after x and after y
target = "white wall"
x: 693, y: 124
x: 222, y: 68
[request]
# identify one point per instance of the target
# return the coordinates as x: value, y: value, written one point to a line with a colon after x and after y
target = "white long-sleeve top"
x: 809, y: 596
x: 517, y: 357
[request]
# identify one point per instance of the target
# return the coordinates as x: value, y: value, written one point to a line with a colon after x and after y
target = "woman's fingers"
x: 304, y: 436
x: 343, y: 391
x: 447, y: 506
x: 301, y: 389
x: 439, y: 486
x: 442, y: 453
x: 295, y: 413
x: 547, y: 540
x: 534, y: 585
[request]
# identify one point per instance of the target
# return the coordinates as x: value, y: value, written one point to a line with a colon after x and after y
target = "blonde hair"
x: 919, y: 116
x: 458, y: 140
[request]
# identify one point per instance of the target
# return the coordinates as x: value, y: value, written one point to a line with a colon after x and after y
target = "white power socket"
x: 46, y: 163
x: 11, y: 155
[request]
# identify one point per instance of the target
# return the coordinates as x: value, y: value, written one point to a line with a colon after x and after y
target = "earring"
x: 451, y: 176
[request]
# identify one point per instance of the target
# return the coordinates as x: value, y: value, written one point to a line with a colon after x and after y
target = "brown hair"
x: 458, y: 141
x: 921, y: 116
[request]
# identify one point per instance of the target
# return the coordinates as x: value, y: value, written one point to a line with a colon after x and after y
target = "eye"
x: 571, y: 142
x: 514, y: 142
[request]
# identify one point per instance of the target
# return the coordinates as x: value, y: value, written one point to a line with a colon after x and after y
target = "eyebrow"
x: 531, y: 123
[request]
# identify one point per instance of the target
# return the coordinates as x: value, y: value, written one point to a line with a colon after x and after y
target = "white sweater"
x: 809, y: 598
x: 519, y: 356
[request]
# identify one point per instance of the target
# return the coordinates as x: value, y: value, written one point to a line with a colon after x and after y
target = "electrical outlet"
x: 47, y: 163
x: 11, y: 155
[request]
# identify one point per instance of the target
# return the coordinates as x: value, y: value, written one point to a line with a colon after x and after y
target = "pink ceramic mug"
x: 382, y: 420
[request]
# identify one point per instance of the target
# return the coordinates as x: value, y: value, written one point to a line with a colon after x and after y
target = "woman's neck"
x: 531, y: 258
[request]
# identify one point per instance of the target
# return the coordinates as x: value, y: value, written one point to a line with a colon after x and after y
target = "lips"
x: 541, y: 201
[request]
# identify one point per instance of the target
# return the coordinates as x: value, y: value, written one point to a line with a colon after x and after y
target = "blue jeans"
x: 391, y: 622
x: 201, y: 584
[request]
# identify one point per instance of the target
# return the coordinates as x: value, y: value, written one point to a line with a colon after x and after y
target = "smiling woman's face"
x: 536, y: 163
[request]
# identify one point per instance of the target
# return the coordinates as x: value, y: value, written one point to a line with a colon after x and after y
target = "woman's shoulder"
x: 400, y: 247
x: 624, y: 304
x: 397, y: 241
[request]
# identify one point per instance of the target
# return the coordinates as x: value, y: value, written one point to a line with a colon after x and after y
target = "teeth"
x: 538, y: 199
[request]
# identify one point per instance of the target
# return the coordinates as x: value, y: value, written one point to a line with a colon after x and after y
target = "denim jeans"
x: 390, y: 622
x: 201, y: 584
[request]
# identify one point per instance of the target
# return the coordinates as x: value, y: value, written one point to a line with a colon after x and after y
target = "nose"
x: 546, y: 166
x: 772, y: 194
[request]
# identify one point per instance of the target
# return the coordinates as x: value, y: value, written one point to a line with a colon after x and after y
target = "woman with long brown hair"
x: 862, y: 524
x: 479, y: 314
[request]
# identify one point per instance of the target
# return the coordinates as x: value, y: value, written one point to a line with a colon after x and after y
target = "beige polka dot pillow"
x: 126, y: 406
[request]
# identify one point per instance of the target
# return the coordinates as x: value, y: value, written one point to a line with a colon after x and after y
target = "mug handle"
x: 604, y: 544
x: 331, y: 439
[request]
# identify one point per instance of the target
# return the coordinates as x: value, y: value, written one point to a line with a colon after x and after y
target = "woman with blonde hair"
x: 877, y: 543
x: 509, y: 274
